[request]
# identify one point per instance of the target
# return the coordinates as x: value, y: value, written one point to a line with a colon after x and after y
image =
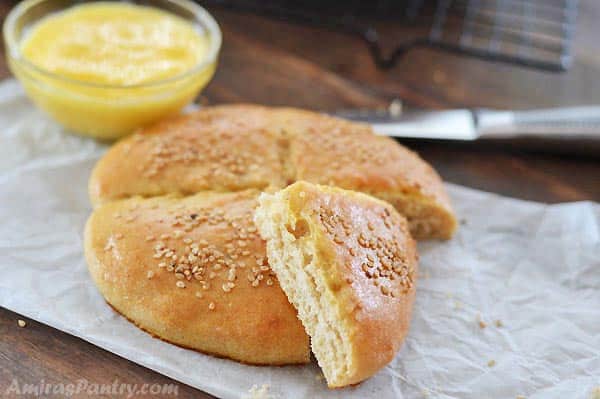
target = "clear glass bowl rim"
x: 201, y: 16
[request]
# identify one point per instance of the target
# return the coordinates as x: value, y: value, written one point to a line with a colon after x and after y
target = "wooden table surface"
x: 273, y: 62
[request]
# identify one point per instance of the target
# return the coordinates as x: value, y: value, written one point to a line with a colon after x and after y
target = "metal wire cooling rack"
x: 530, y: 33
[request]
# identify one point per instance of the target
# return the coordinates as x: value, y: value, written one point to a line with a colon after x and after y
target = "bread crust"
x: 236, y: 147
x: 251, y: 324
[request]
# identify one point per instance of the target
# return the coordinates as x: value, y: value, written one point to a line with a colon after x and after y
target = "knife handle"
x: 565, y: 124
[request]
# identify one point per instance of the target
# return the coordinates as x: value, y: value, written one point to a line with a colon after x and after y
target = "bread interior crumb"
x: 292, y: 254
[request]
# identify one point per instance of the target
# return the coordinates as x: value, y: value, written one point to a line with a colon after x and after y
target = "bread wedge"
x: 193, y: 271
x: 348, y: 264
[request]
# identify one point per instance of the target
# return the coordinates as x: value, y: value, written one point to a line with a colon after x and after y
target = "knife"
x: 565, y: 129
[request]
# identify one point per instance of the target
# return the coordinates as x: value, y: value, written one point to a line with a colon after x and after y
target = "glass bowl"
x: 108, y: 111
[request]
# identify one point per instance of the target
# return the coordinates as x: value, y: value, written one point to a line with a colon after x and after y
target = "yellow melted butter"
x: 114, y: 44
x: 114, y: 67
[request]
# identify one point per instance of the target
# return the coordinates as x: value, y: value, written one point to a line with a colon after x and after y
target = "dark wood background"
x: 273, y: 62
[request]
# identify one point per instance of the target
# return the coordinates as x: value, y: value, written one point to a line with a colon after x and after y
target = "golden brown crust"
x: 369, y: 261
x: 236, y: 147
x: 299, y: 363
x: 130, y: 244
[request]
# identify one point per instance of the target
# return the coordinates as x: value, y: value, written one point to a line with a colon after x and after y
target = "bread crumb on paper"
x: 491, y: 363
x: 480, y: 322
x: 256, y: 392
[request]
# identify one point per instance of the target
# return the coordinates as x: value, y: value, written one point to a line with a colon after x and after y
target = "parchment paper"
x: 533, y: 267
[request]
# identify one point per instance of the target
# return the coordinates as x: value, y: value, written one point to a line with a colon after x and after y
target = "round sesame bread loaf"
x: 172, y: 246
x: 348, y: 264
x: 236, y: 147
x: 193, y: 271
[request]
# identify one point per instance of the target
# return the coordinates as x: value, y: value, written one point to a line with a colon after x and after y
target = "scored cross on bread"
x: 348, y: 264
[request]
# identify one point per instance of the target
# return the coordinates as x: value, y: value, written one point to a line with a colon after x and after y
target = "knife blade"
x: 567, y: 125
